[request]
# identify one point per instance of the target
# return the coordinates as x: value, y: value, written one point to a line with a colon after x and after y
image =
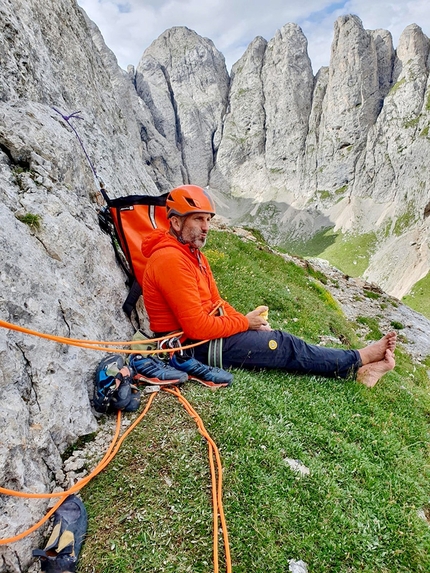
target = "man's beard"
x: 197, y: 241
x: 193, y: 237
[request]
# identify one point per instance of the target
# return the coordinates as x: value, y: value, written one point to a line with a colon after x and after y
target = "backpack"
x: 127, y: 220
x: 108, y: 394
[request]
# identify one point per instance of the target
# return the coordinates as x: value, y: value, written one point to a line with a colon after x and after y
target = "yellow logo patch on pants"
x: 273, y: 345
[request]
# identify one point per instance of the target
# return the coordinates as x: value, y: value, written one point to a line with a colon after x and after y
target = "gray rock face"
x: 288, y: 83
x: 345, y: 149
x: 260, y: 155
x: 244, y: 136
x: 391, y: 172
x: 183, y: 80
x: 59, y: 277
x: 351, y: 103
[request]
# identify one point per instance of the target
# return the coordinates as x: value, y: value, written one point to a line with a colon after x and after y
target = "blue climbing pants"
x: 278, y: 349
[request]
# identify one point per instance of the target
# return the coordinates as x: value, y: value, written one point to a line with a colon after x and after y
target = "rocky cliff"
x: 294, y: 153
x: 58, y: 272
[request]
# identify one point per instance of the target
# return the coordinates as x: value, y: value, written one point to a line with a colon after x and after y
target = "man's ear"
x: 176, y: 223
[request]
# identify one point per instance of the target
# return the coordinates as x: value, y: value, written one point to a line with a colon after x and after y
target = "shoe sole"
x: 208, y: 383
x: 156, y: 381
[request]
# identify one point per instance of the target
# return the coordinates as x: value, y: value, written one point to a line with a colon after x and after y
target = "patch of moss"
x: 373, y: 326
x: 312, y: 247
x: 351, y: 253
x: 396, y: 86
x: 80, y: 442
x: 18, y: 169
x: 406, y: 220
x: 419, y: 296
x: 412, y: 122
x: 371, y: 294
x: 323, y: 193
x: 318, y: 275
x: 341, y: 190
x: 386, y: 229
x: 241, y: 91
x: 256, y: 233
x: 33, y: 221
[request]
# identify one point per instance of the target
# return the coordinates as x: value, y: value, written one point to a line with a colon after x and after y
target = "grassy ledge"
x: 362, y: 506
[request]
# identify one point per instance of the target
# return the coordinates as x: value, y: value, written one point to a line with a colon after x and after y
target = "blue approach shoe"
x: 209, y: 376
x: 152, y: 370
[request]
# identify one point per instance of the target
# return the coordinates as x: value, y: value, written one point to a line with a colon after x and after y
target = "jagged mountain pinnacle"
x: 183, y: 80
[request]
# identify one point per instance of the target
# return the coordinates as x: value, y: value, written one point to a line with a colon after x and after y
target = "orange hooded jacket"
x: 179, y: 291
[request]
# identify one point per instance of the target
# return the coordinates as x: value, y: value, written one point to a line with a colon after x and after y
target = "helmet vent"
x: 191, y: 202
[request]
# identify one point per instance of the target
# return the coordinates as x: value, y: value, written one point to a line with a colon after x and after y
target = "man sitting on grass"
x: 180, y: 294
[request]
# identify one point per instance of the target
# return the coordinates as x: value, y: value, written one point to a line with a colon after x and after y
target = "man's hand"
x: 256, y: 321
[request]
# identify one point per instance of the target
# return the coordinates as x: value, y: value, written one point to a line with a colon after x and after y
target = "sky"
x: 130, y: 26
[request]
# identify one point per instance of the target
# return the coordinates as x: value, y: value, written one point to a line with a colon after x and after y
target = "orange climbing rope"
x: 95, y: 344
x: 216, y: 479
x: 216, y: 472
x: 110, y: 454
x: 216, y: 476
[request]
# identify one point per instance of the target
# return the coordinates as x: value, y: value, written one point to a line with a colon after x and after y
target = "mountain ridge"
x: 350, y: 144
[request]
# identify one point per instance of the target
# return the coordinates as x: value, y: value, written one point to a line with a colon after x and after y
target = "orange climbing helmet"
x: 188, y: 199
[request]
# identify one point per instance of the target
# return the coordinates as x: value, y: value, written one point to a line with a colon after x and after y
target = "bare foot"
x: 371, y: 373
x: 376, y: 351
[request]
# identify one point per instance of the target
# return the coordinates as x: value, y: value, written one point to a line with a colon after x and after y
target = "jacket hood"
x: 159, y: 239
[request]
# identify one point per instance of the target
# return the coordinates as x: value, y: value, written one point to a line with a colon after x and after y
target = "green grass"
x: 371, y: 294
x: 372, y: 325
x: 33, y: 221
x: 312, y: 247
x: 367, y: 452
x: 406, y: 220
x: 350, y: 253
x: 419, y: 297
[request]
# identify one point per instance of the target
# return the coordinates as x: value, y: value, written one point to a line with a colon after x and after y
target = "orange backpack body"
x: 127, y: 220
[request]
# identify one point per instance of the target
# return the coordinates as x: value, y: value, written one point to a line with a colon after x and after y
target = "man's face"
x: 194, y: 229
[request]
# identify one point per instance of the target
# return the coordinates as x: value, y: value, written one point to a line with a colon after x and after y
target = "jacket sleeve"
x: 191, y: 295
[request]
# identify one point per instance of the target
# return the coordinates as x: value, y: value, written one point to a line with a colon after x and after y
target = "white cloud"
x: 129, y: 26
